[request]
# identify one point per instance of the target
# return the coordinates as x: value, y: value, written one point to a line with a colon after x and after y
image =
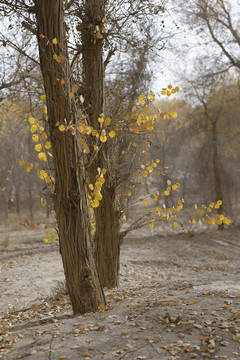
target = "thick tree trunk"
x: 70, y: 178
x: 107, y: 240
x: 107, y: 243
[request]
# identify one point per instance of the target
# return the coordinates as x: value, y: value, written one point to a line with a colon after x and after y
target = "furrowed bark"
x: 70, y: 178
x: 106, y: 240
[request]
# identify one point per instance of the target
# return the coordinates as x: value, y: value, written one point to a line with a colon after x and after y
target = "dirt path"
x: 179, y: 298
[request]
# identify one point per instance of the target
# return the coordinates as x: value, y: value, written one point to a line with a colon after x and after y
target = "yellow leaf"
x: 86, y: 149
x: 101, y: 119
x: 35, y: 138
x: 28, y: 169
x: 166, y: 193
x: 61, y: 127
x: 98, y: 185
x: 33, y: 128
x: 151, y: 225
x: 140, y: 98
x: 200, y: 212
x: 85, y: 354
x: 212, y: 221
x: 62, y: 82
x: 175, y: 224
x: 104, y: 171
x: 48, y: 145
x: 101, y: 180
x: 157, y: 161
x: 95, y: 203
x: 88, y: 130
x: 107, y: 122
x: 158, y: 209
x: 112, y: 134
x: 74, y: 88
x: 91, y: 186
x: 98, y: 36
x: 174, y: 114
x: 150, y: 126
x: 103, y: 138
x: 151, y: 96
x: 43, y: 97
x: 42, y: 156
x: 101, y: 307
x: 136, y: 129
x: 46, y: 239
x: 45, y: 109
x: 31, y: 120
x: 193, y: 221
x: 146, y: 202
x: 21, y: 163
x: 42, y: 36
x: 38, y: 147
x: 98, y: 196
x: 54, y: 41
x: 95, y: 133
x: 70, y: 95
x: 42, y: 174
x: 44, y: 136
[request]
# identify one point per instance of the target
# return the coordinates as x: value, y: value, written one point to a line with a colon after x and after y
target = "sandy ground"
x: 179, y: 298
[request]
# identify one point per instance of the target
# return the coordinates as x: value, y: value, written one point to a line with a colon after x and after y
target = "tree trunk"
x: 18, y: 188
x: 70, y: 178
x: 107, y: 240
x: 30, y: 201
x: 218, y: 193
x: 107, y: 243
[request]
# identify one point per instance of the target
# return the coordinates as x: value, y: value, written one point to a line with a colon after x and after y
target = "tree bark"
x: 107, y: 241
x: 218, y: 192
x: 70, y: 178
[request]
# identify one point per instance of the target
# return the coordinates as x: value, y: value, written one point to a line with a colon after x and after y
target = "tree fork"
x: 70, y: 190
